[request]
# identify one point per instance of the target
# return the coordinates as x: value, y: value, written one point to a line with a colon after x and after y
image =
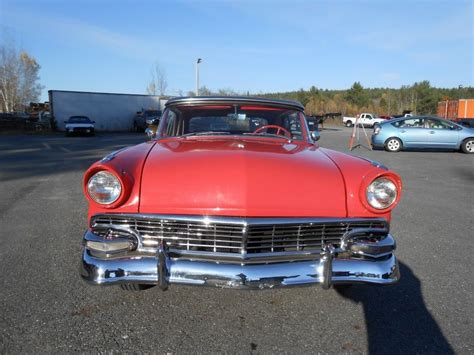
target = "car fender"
x: 462, y: 140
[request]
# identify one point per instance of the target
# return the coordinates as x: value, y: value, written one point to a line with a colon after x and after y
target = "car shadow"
x: 397, y: 319
x: 424, y: 150
x: 431, y: 150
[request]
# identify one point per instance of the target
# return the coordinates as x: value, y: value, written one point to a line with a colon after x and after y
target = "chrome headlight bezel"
x: 381, y: 193
x: 104, y: 187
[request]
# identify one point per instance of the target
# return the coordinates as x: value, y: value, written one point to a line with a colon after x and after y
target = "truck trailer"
x: 111, y: 112
x: 461, y: 111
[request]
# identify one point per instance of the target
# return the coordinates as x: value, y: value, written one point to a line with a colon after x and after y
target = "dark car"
x: 79, y: 125
x: 466, y: 122
x: 143, y: 119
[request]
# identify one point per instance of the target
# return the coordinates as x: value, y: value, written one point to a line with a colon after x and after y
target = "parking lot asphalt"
x: 47, y: 308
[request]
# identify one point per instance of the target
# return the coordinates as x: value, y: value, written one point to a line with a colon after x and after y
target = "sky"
x: 248, y: 46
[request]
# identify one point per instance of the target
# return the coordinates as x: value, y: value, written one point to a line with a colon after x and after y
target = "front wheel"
x: 349, y: 124
x: 468, y: 146
x: 393, y: 145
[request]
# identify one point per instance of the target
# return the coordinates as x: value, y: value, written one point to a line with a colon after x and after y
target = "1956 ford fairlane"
x: 234, y: 192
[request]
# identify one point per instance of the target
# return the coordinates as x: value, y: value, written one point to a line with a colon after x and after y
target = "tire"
x: 349, y: 124
x: 393, y: 145
x: 135, y: 287
x: 468, y: 146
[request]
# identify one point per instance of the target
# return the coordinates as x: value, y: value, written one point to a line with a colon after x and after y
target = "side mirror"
x: 150, y: 133
x: 93, y: 121
x: 315, y: 135
x: 156, y: 121
x: 65, y: 121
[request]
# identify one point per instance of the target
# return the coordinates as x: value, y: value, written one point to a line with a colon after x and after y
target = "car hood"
x: 247, y: 177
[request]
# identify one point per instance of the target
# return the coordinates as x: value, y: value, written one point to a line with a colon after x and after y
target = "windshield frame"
x: 161, y: 131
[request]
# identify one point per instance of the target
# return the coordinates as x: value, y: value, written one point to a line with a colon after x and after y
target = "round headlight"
x: 104, y: 188
x: 381, y: 193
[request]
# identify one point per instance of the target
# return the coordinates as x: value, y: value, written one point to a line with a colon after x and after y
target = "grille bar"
x: 234, y: 235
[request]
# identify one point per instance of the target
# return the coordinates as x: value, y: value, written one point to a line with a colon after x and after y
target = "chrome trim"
x: 112, y: 155
x: 244, y: 221
x: 326, y: 266
x: 373, y: 162
x: 144, y: 270
x: 245, y: 257
x: 150, y: 133
x: 361, y: 255
x: 121, y: 229
x: 131, y: 238
x: 379, y: 249
x: 235, y: 239
x: 196, y: 100
x: 163, y: 267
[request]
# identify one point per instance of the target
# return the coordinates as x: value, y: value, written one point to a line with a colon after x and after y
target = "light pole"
x: 199, y: 60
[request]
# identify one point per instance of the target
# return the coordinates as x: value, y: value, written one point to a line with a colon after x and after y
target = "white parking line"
x: 47, y: 146
x: 65, y: 149
x: 24, y: 150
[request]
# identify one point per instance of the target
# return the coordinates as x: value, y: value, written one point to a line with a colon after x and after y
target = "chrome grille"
x: 235, y: 235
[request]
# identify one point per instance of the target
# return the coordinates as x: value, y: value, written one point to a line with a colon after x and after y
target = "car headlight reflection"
x: 381, y: 193
x: 104, y: 188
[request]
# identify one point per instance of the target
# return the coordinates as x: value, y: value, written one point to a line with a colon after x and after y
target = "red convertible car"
x: 234, y: 192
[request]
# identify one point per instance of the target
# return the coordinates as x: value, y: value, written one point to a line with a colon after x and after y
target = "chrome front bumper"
x: 326, y: 269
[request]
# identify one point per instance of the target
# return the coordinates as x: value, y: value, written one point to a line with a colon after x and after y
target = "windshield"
x: 266, y: 121
x: 79, y: 119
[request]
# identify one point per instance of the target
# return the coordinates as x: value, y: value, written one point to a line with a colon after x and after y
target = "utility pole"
x: 199, y: 60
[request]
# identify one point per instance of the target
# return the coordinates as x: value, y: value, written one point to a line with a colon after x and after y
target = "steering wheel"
x: 279, y: 129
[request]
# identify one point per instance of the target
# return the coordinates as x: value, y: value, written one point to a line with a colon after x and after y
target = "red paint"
x: 243, y: 176
x: 127, y: 165
x: 358, y: 174
x: 235, y: 176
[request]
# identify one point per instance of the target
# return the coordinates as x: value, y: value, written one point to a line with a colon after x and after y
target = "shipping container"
x: 456, y: 109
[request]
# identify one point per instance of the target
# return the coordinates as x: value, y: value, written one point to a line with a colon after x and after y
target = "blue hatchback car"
x: 422, y: 133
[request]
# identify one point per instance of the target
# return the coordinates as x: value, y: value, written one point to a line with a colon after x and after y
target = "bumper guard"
x: 371, y: 262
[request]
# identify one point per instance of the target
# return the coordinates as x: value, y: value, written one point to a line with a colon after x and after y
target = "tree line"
x: 420, y: 98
